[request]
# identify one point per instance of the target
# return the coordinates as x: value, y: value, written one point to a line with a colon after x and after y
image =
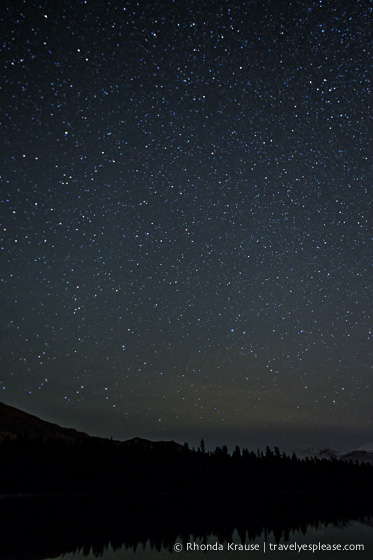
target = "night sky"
x: 185, y: 218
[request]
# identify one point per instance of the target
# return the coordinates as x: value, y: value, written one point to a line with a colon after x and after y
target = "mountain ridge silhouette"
x: 16, y: 423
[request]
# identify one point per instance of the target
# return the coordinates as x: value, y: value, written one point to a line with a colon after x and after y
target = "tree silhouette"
x: 202, y: 444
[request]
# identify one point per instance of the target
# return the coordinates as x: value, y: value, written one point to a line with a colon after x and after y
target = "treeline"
x: 31, y: 466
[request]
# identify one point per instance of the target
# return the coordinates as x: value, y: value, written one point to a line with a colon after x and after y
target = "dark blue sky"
x: 185, y: 218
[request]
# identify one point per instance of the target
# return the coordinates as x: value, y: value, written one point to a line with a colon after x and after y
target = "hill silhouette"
x: 39, y: 457
x: 16, y: 424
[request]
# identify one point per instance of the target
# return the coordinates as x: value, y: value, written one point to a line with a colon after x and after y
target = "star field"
x: 186, y: 217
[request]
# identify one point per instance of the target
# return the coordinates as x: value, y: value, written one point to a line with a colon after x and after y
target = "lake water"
x: 265, y: 546
x: 184, y: 528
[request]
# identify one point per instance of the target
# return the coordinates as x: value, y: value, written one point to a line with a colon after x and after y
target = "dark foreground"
x: 60, y: 497
x: 44, y: 527
x: 35, y: 466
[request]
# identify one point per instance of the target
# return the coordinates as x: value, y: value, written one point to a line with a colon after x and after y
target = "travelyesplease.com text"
x: 266, y: 547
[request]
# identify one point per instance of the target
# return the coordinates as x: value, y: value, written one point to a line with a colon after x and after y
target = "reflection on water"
x: 352, y: 533
x: 148, y: 528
